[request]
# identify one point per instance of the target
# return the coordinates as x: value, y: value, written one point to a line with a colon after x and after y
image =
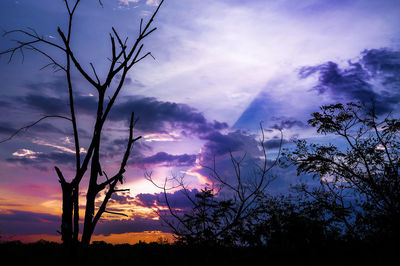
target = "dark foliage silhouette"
x: 359, y: 180
x: 354, y: 202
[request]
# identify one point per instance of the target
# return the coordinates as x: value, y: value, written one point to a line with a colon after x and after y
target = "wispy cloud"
x: 26, y: 153
x: 127, y: 2
x: 152, y: 2
x: 62, y: 148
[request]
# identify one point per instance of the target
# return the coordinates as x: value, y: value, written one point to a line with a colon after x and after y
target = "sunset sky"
x: 221, y: 68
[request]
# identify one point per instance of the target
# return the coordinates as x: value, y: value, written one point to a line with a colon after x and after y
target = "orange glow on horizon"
x: 125, y: 238
x: 23, y: 198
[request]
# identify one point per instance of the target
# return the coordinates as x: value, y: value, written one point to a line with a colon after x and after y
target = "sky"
x: 221, y: 67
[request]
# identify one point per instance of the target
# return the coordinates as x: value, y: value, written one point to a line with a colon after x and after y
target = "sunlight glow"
x: 162, y: 137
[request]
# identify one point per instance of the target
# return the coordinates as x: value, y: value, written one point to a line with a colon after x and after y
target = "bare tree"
x: 214, y: 219
x: 123, y: 58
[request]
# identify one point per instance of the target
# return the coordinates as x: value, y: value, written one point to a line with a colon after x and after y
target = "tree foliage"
x: 359, y: 176
x: 354, y: 197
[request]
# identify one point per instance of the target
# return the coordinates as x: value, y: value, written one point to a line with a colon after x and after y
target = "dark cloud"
x: 138, y: 224
x: 41, y: 160
x: 358, y: 81
x: 160, y: 117
x: 219, y: 148
x: 177, y: 199
x: 275, y: 143
x: 148, y: 200
x: 57, y: 84
x: 117, y: 147
x: 246, y: 149
x: 4, y: 104
x: 128, y: 81
x: 154, y: 116
x: 383, y: 61
x: 220, y: 144
x: 167, y: 159
x: 23, y: 222
x: 46, y: 128
x: 7, y: 128
x: 86, y: 105
x: 46, y: 104
x: 122, y: 198
x: 286, y: 123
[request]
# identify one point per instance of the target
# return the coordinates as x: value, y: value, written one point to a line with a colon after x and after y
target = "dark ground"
x: 47, y: 253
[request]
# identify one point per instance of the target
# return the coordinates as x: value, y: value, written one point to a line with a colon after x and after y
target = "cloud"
x: 383, y: 61
x: 244, y: 147
x: 24, y: 222
x: 46, y: 128
x: 373, y: 78
x: 177, y: 199
x: 152, y: 2
x: 165, y: 159
x: 25, y: 153
x: 275, y: 143
x: 122, y: 198
x: 221, y: 144
x: 148, y: 2
x: 4, y: 104
x: 159, y: 120
x: 155, y: 116
x: 127, y: 2
x: 286, y: 123
x: 137, y: 224
x: 217, y: 152
x: 62, y: 148
x: 46, y: 104
x: 161, y: 116
x: 41, y: 160
x: 56, y: 85
x: 117, y: 147
x: 7, y: 128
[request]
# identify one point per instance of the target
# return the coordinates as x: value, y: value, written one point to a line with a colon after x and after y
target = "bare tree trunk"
x: 66, y: 220
x: 122, y: 60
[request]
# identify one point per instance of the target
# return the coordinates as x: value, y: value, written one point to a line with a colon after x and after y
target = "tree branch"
x: 33, y: 124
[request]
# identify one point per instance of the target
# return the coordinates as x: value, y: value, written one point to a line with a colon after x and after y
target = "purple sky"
x: 222, y: 67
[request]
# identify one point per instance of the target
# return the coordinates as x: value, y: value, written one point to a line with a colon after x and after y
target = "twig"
x: 33, y: 124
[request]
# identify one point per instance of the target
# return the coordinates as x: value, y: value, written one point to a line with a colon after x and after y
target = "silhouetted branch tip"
x: 117, y: 213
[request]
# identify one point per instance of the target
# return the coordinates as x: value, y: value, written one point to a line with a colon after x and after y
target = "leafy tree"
x: 121, y: 60
x: 290, y: 222
x: 358, y: 177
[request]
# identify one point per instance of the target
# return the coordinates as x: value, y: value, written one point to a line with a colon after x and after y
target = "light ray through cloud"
x: 221, y: 68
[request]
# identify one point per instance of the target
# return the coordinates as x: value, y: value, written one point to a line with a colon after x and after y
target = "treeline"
x: 100, y: 253
x: 353, y: 200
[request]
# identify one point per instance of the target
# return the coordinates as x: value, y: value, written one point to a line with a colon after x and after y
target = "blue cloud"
x: 166, y: 159
x: 23, y: 222
x: 360, y: 80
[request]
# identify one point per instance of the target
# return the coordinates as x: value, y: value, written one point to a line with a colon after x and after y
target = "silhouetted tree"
x: 291, y: 221
x: 220, y: 212
x: 358, y: 177
x: 122, y: 58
